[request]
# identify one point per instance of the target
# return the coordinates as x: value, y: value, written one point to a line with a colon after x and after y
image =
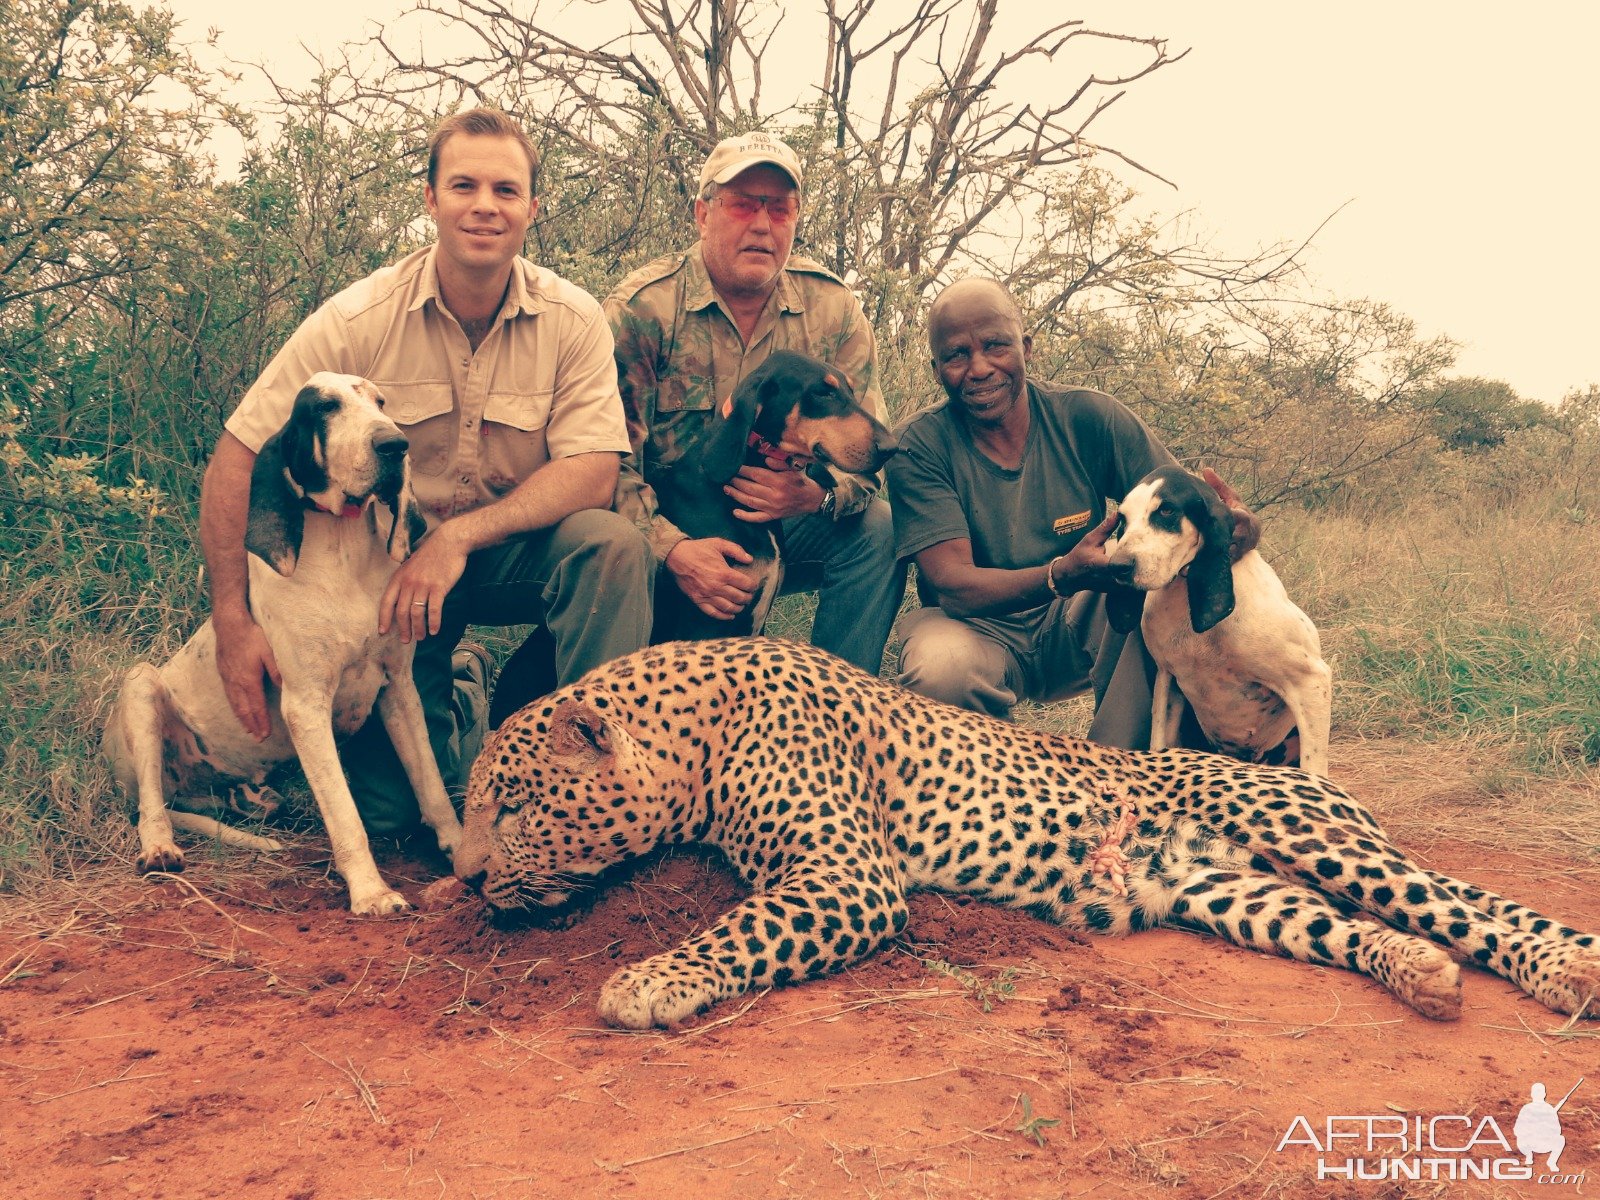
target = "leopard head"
x: 560, y: 793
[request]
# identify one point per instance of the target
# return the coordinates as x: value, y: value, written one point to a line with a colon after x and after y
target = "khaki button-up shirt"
x: 542, y: 384
x: 679, y: 352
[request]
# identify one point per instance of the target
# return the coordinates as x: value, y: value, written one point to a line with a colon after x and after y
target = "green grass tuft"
x: 1439, y: 623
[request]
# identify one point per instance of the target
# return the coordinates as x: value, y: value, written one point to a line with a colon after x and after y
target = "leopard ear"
x: 577, y: 727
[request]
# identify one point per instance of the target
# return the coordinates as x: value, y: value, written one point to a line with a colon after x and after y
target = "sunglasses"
x: 781, y: 210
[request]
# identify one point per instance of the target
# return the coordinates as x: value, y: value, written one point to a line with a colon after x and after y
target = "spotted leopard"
x: 834, y: 794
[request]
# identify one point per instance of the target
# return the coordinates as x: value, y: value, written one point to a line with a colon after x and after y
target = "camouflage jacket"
x: 678, y: 353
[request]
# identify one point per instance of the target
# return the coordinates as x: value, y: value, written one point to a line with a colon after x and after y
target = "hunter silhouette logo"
x: 1538, y: 1127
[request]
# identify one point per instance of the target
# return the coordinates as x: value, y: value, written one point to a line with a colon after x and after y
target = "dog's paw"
x: 450, y: 838
x: 382, y: 903
x: 159, y: 856
x: 641, y: 997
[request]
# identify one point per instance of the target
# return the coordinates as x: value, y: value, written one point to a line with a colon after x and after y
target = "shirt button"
x: 466, y: 479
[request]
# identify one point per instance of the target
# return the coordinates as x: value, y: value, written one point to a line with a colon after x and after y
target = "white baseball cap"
x: 734, y: 155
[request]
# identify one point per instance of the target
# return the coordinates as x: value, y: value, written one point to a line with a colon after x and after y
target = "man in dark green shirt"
x: 1000, y: 497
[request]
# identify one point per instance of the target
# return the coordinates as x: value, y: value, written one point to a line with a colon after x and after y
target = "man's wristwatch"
x: 826, y: 507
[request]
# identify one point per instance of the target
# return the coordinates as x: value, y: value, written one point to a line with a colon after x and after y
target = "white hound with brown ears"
x: 331, y: 518
x: 1244, y: 657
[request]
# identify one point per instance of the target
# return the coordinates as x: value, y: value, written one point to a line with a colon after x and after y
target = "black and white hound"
x: 1244, y: 657
x: 793, y: 408
x: 331, y: 518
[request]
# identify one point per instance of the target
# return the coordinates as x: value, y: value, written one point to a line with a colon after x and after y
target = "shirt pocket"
x: 514, y: 437
x: 683, y: 415
x: 673, y: 395
x: 425, y: 414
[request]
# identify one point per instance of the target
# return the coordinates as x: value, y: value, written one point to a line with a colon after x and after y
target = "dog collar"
x: 796, y: 462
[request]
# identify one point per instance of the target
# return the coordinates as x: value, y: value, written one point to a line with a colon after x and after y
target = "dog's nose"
x: 1121, y: 573
x: 390, y: 445
x: 884, y: 447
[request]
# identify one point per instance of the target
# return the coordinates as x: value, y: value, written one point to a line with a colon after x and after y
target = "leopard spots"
x: 834, y: 794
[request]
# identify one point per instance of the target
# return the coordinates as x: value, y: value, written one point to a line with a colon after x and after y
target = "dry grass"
x: 56, y: 812
x: 1475, y: 791
x: 1454, y: 624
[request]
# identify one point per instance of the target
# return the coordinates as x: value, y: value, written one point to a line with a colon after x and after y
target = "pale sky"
x: 1460, y: 137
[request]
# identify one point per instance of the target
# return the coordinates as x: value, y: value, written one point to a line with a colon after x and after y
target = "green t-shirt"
x: 1083, y: 448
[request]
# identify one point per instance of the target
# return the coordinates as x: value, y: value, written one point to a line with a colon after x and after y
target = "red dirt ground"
x: 237, y: 1033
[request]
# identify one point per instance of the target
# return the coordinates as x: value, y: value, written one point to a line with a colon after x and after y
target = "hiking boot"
x: 471, y: 662
x: 473, y: 668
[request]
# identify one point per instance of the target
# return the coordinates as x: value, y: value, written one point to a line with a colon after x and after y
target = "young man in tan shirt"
x: 501, y: 375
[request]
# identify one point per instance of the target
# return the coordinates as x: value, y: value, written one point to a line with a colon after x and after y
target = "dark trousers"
x: 587, y: 580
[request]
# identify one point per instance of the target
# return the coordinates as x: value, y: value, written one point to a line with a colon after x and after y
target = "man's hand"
x: 414, y: 600
x: 1246, y: 525
x: 773, y: 492
x: 1086, y: 566
x: 244, y: 657
x: 700, y: 565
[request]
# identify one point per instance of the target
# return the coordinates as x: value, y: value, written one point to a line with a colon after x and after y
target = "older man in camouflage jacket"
x: 688, y: 327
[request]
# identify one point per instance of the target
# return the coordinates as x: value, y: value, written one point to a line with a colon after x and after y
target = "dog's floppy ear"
x: 299, y: 443
x: 408, y: 523
x: 1211, y: 573
x: 723, y: 452
x: 277, y: 519
x: 1124, y: 608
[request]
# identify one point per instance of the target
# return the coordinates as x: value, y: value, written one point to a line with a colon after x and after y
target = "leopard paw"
x: 1574, y: 988
x: 1425, y: 977
x: 255, y: 801
x: 654, y: 993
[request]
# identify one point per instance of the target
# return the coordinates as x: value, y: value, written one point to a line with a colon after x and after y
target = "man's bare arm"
x: 414, y: 599
x: 965, y: 589
x: 243, y: 656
